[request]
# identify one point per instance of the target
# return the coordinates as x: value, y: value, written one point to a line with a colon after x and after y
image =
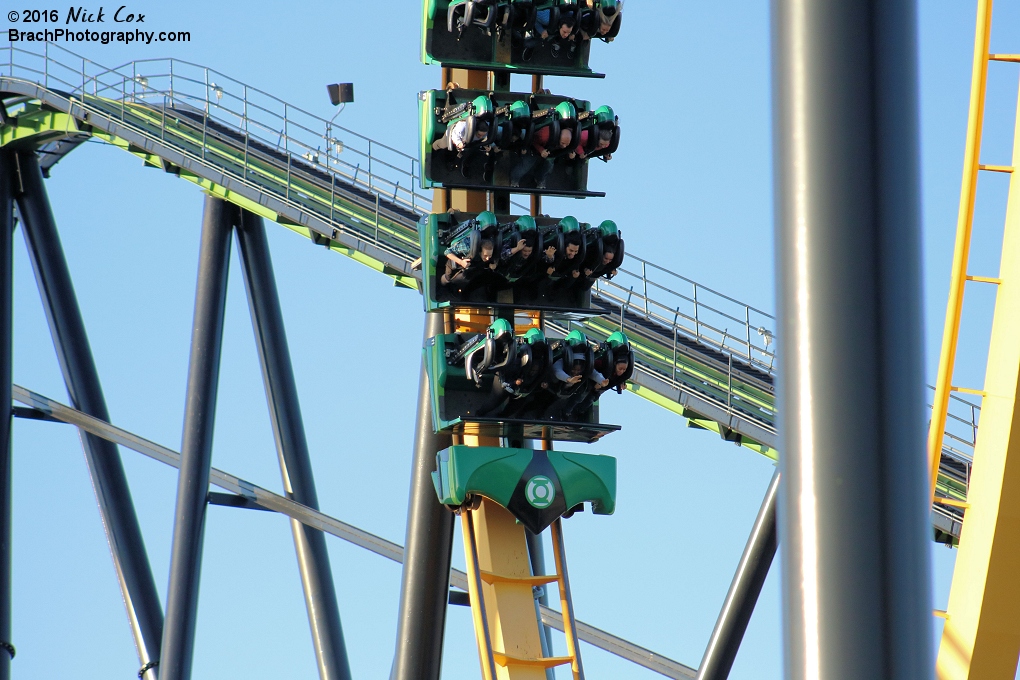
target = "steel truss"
x: 165, y: 647
x: 244, y: 494
x: 113, y: 494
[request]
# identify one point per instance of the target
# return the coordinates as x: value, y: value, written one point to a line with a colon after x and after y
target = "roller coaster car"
x: 495, y: 384
x: 501, y: 35
x: 518, y: 127
x: 537, y: 487
x: 520, y: 277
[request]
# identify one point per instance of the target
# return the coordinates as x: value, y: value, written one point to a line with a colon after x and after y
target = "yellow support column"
x: 964, y: 225
x: 509, y: 606
x: 981, y: 638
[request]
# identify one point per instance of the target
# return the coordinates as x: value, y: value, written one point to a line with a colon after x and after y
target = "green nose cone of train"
x: 537, y: 487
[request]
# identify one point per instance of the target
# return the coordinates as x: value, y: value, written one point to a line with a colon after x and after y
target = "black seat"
x: 470, y: 13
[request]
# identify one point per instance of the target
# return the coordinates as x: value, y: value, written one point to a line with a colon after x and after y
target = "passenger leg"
x: 443, y: 143
x: 496, y: 401
x: 543, y: 172
x: 526, y: 165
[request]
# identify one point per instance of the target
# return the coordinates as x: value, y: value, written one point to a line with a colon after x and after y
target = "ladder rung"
x: 952, y: 502
x: 967, y: 390
x: 505, y: 660
x: 1005, y: 57
x: 996, y: 168
x: 491, y: 578
x: 984, y: 279
x: 942, y: 614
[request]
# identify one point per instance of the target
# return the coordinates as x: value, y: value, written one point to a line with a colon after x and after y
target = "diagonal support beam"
x: 113, y: 495
x: 196, y: 444
x: 744, y: 590
x: 313, y: 518
x: 425, y: 580
x: 295, y: 463
x: 6, y: 386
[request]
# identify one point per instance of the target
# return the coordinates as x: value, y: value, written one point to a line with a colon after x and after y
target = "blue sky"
x: 691, y: 189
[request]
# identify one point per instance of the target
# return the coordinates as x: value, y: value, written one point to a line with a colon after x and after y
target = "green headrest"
x: 604, y: 114
x: 618, y: 339
x: 486, y: 219
x: 566, y: 111
x: 534, y: 336
x: 608, y: 228
x: 569, y: 224
x: 526, y: 223
x: 500, y: 327
x: 482, y: 105
x: 576, y: 337
x: 520, y: 109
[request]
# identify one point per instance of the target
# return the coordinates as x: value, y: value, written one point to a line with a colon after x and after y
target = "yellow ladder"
x: 981, y: 638
x: 501, y: 586
x: 972, y: 167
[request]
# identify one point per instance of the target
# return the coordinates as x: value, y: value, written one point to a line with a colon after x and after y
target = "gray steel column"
x: 145, y: 614
x: 428, y: 546
x: 196, y: 442
x: 853, y: 505
x: 744, y: 590
x: 6, y: 378
x: 536, y: 553
x: 295, y: 463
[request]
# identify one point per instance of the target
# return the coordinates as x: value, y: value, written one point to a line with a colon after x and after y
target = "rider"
x: 601, y: 19
x: 615, y: 361
x: 519, y: 378
x: 471, y: 254
x: 567, y: 269
x: 573, y: 374
x: 609, y: 235
x: 516, y: 261
x: 455, y: 137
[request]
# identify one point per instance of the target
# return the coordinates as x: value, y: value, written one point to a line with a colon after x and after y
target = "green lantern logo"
x: 540, y: 492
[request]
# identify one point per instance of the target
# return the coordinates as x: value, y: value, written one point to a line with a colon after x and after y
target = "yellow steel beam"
x: 964, y: 223
x: 499, y: 567
x: 981, y: 638
x: 509, y: 604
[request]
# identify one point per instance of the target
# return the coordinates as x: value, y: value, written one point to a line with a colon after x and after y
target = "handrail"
x: 714, y: 318
x: 197, y: 100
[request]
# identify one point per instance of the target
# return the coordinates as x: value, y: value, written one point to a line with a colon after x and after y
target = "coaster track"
x: 701, y: 354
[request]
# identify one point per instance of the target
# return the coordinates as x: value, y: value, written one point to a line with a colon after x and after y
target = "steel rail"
x: 268, y: 500
x: 691, y: 363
